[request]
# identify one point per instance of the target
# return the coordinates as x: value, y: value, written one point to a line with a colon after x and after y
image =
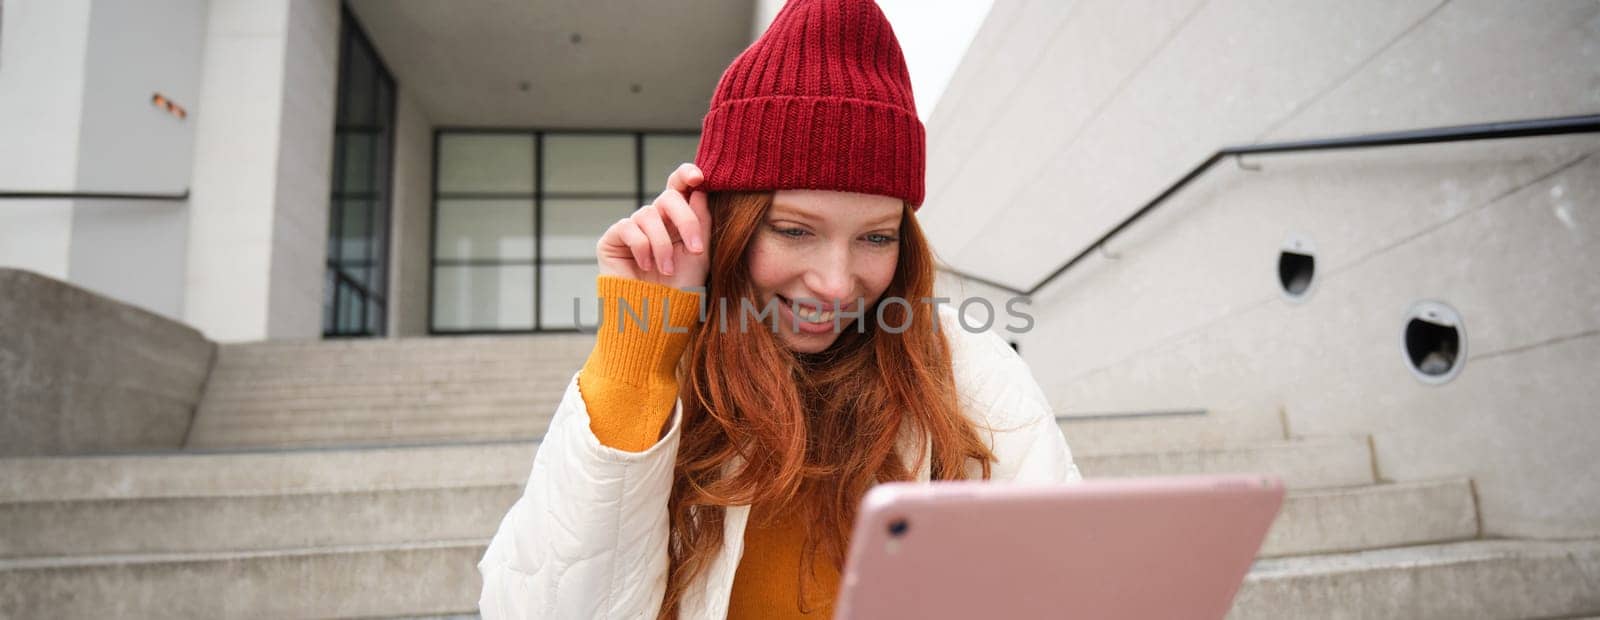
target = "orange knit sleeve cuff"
x: 629, y: 383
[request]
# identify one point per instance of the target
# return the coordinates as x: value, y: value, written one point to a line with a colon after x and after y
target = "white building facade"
x: 297, y: 169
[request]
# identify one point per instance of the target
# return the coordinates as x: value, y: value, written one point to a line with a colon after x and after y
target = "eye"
x: 792, y: 233
x: 881, y: 239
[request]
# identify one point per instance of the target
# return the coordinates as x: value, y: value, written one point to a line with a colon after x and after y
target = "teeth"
x: 815, y: 316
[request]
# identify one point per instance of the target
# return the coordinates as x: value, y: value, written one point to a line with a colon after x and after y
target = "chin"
x: 810, y: 343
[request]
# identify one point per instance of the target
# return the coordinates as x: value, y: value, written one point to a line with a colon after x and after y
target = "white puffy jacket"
x: 588, y: 537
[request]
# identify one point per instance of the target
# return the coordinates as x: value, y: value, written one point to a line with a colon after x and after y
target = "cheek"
x: 768, y: 266
x: 878, y: 272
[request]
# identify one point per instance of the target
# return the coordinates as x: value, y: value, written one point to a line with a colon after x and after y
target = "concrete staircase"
x: 363, y: 479
x: 384, y: 392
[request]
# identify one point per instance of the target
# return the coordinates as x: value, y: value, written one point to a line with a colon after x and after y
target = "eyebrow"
x: 784, y: 209
x: 779, y: 209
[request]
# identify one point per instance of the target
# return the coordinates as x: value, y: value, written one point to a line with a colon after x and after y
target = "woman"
x: 706, y: 462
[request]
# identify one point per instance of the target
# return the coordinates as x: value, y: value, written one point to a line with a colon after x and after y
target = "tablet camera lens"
x: 898, y: 527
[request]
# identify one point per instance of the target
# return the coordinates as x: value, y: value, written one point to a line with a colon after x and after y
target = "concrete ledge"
x: 1372, y: 517
x: 1477, y: 579
x: 1089, y: 436
x: 381, y: 581
x: 262, y: 522
x: 373, y: 426
x: 247, y: 474
x: 1302, y: 463
x: 81, y: 373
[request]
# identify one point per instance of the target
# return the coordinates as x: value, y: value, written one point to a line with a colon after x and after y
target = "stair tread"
x: 1419, y: 556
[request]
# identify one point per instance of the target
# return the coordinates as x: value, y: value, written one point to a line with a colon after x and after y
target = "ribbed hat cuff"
x: 799, y: 142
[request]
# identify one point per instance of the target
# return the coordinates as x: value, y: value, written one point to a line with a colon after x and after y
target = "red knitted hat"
x: 821, y: 101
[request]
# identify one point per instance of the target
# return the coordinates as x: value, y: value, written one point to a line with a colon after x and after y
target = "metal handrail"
x: 1457, y: 133
x: 28, y: 195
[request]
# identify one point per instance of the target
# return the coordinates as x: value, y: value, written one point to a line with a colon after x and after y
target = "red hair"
x: 812, y: 433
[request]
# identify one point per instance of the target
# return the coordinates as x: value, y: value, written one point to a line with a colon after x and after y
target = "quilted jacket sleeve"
x: 588, y: 537
x: 999, y: 391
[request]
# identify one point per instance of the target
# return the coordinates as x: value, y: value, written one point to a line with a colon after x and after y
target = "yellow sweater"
x: 628, y: 386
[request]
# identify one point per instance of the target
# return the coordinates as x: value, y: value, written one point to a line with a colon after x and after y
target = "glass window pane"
x: 560, y: 285
x: 589, y: 163
x: 375, y: 316
x: 328, y: 283
x: 349, y: 310
x: 354, y: 239
x: 492, y: 229
x: 380, y: 248
x: 486, y: 163
x: 483, y: 297
x: 359, y: 84
x: 359, y: 274
x: 572, y: 227
x: 662, y: 155
x: 358, y: 160
x: 385, y: 109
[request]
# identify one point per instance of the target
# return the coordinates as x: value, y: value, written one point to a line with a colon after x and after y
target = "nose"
x: 830, y: 277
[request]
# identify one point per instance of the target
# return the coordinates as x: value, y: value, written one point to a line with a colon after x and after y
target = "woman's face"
x: 824, y: 251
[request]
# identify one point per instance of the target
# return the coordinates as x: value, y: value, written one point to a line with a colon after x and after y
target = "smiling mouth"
x: 808, y: 313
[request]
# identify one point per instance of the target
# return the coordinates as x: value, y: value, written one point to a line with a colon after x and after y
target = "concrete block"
x: 1372, y: 517
x: 1088, y: 436
x: 1476, y: 579
x: 209, y: 474
x: 252, y: 522
x: 374, y: 581
x: 81, y: 373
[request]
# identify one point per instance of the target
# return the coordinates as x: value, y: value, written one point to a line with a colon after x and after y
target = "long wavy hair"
x: 809, y: 434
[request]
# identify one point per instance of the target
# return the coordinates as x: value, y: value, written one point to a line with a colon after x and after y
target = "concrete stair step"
x: 403, y: 406
x: 265, y: 472
x: 190, y: 519
x: 1474, y: 579
x: 250, y: 394
x: 493, y: 426
x: 230, y: 379
x: 1164, y: 431
x: 254, y: 522
x: 1463, y: 580
x: 432, y: 578
x: 1301, y: 463
x: 217, y: 500
x: 1373, y: 517
x: 436, y: 350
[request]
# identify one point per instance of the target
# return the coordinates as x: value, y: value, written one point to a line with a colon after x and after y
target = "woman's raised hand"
x: 666, y: 241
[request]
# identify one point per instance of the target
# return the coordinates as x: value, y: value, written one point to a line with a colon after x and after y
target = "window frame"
x: 642, y: 194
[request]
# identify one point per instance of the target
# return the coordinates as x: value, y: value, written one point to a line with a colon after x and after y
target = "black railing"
x: 1458, y: 133
x: 13, y: 195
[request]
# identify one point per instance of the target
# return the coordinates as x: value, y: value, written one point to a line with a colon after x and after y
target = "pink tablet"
x: 1129, y: 548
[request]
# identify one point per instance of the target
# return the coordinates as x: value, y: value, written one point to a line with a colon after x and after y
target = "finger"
x: 611, y: 243
x: 648, y: 218
x: 637, y: 242
x: 702, y: 214
x: 686, y: 177
x: 682, y: 218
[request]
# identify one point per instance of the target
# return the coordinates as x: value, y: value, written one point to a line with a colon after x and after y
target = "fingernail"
x: 666, y: 266
x: 694, y: 244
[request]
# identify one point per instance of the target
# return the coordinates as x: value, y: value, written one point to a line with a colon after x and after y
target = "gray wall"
x: 1067, y: 116
x: 134, y: 250
x: 42, y: 50
x: 412, y: 207
x: 304, y: 166
x: 263, y: 147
